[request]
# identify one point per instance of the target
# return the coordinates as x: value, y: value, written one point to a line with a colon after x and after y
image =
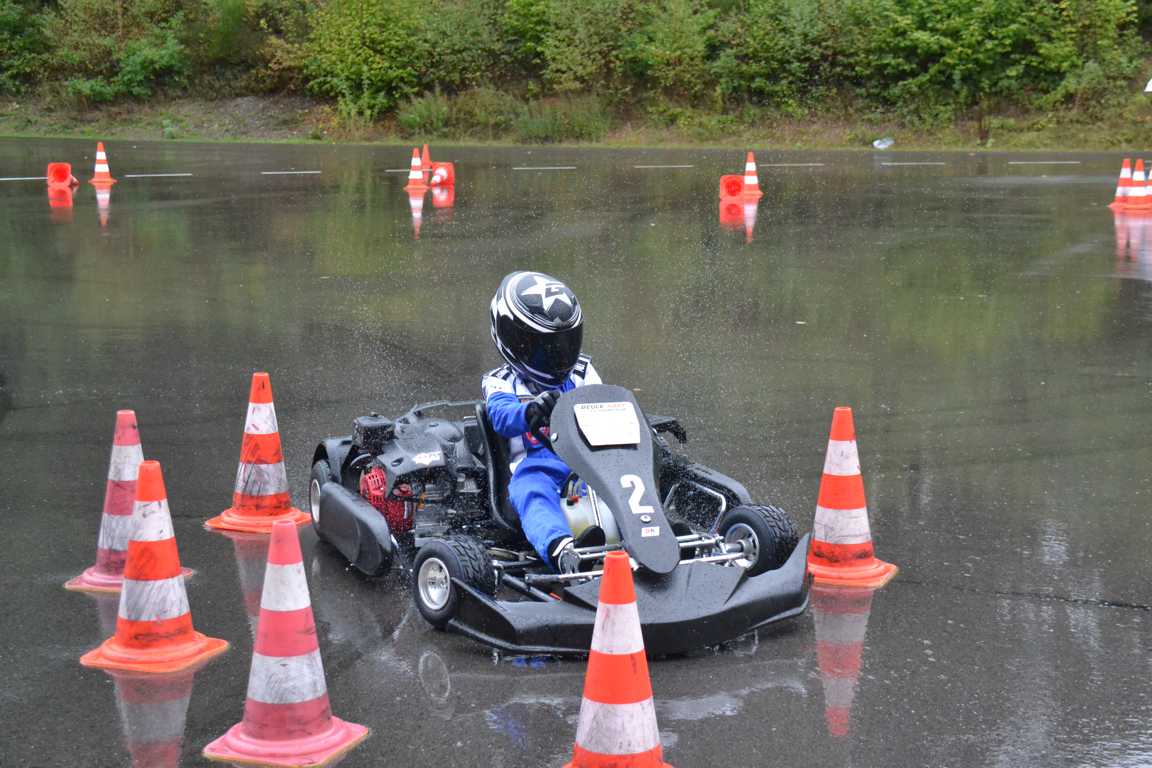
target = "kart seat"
x: 498, y: 474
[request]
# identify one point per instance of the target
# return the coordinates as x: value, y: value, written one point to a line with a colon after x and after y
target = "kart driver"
x: 538, y: 328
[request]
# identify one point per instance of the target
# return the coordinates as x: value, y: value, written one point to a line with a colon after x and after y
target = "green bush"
x: 674, y: 48
x: 424, y: 116
x: 151, y: 62
x: 591, y: 46
x: 367, y: 54
x: 485, y: 113
x: 524, y: 27
x: 567, y: 119
x: 22, y: 46
x: 462, y: 44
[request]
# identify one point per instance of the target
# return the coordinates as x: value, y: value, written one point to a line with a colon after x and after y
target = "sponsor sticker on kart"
x: 604, y: 424
x: 649, y: 531
x: 428, y: 457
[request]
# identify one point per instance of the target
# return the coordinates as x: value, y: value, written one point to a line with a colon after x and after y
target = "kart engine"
x: 374, y: 489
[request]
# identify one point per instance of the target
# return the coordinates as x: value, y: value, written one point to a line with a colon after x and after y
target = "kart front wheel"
x: 437, y: 563
x: 321, y: 473
x: 766, y: 533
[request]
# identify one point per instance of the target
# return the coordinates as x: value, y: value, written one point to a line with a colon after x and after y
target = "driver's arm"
x: 507, y: 414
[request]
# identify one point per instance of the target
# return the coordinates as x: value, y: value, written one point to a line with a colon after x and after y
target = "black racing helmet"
x: 538, y: 327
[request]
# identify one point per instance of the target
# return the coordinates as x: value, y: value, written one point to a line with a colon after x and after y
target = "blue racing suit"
x: 537, y: 473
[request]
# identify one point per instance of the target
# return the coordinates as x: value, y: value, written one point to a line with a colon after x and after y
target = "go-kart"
x: 709, y: 565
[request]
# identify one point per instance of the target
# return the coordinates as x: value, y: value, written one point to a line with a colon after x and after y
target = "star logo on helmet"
x: 549, y: 292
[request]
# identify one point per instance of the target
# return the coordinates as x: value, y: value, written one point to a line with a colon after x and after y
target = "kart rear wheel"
x: 767, y: 534
x: 438, y: 562
x: 321, y: 473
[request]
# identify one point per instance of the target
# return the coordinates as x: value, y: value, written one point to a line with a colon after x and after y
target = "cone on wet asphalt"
x: 443, y: 175
x: 425, y: 160
x: 617, y: 726
x: 101, y: 175
x: 287, y: 717
x: 1123, y: 185
x: 841, y: 618
x: 416, y: 172
x: 107, y: 573
x: 842, y: 553
x: 731, y: 186
x: 60, y: 175
x: 154, y: 630
x: 751, y: 178
x: 153, y: 713
x: 260, y: 497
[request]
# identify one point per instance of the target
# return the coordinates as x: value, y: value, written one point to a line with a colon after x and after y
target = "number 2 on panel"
x: 637, y: 486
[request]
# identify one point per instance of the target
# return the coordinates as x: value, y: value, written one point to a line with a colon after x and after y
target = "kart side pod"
x: 356, y: 528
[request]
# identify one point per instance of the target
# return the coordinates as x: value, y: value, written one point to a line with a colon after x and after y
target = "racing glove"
x: 538, y: 412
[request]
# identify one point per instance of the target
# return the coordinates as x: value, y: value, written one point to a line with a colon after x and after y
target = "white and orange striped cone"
x: 751, y: 180
x: 443, y: 175
x: 100, y: 174
x: 617, y: 727
x: 841, y: 618
x: 1122, y: 186
x: 116, y: 523
x: 416, y: 172
x: 260, y: 497
x: 154, y: 630
x: 842, y: 553
x: 153, y: 713
x: 1138, y: 200
x: 416, y: 206
x: 287, y: 717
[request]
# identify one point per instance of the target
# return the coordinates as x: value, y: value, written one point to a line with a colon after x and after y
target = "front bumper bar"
x: 695, y: 606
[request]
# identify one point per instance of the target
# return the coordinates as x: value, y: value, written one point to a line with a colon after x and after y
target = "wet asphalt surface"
x: 989, y: 321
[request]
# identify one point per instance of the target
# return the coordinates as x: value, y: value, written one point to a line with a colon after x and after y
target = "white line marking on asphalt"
x: 154, y: 175
x: 24, y: 178
x: 397, y: 170
x: 1043, y: 162
x: 910, y: 163
x: 663, y: 166
x: 544, y: 168
x: 288, y: 173
x: 791, y: 165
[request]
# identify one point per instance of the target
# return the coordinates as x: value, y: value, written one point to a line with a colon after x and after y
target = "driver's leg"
x: 535, y: 494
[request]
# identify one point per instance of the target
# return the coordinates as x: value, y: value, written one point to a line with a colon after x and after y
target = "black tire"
x: 321, y: 473
x: 770, y: 529
x: 437, y: 562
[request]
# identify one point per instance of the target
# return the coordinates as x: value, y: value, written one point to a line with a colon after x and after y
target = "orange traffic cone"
x: 60, y: 175
x: 153, y: 713
x: 116, y: 524
x: 731, y: 185
x: 287, y: 718
x: 426, y: 160
x: 416, y: 172
x: 101, y: 174
x: 617, y: 727
x: 1138, y: 199
x: 261, y: 496
x: 1123, y: 186
x: 154, y: 627
x: 841, y: 618
x: 416, y: 206
x: 751, y: 180
x: 443, y: 175
x: 842, y: 552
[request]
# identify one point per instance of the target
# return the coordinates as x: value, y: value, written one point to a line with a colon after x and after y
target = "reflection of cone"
x: 841, y: 618
x: 617, y: 727
x: 103, y: 203
x: 842, y: 551
x: 443, y: 197
x: 749, y: 219
x: 751, y: 180
x: 101, y: 174
x: 287, y: 718
x: 261, y: 494
x: 416, y: 205
x: 60, y: 175
x: 154, y: 629
x: 443, y: 175
x: 116, y: 523
x: 251, y: 550
x: 416, y: 172
x: 732, y: 213
x: 153, y: 712
x: 731, y: 185
x: 1123, y: 185
x: 60, y: 204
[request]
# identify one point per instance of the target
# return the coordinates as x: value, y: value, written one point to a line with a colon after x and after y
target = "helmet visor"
x: 549, y: 357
